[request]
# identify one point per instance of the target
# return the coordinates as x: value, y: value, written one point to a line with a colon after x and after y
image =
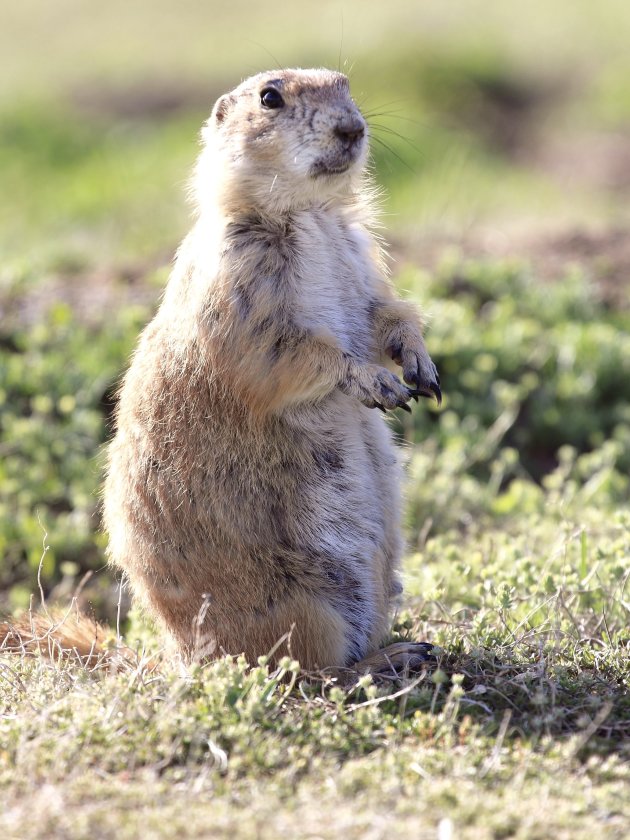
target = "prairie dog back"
x: 253, y: 493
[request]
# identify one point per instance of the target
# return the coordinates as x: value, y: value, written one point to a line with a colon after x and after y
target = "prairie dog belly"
x: 351, y: 505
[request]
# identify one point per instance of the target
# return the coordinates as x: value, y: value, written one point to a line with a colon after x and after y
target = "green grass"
x: 93, y: 175
x: 536, y: 382
x: 104, y: 193
x: 522, y: 731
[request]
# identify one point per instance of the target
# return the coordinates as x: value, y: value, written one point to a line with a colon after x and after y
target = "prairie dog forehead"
x: 295, y: 83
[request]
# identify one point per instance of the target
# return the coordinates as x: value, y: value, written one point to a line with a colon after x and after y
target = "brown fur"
x: 252, y: 490
x: 64, y: 634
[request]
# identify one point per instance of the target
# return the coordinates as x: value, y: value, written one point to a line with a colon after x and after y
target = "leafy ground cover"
x: 518, y: 487
x: 519, y: 559
x: 521, y: 731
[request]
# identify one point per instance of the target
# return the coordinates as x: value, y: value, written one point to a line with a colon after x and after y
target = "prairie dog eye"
x: 270, y: 98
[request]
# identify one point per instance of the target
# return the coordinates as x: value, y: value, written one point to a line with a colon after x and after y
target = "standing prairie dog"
x: 252, y: 489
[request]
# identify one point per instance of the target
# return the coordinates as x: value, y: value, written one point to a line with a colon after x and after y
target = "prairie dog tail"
x: 64, y: 634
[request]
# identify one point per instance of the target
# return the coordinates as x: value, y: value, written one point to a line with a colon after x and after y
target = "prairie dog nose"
x: 350, y: 129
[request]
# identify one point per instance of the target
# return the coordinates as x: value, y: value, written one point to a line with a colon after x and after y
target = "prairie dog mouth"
x: 337, y: 162
x: 321, y: 167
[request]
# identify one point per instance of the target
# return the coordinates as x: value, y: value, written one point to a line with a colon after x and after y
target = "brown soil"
x: 532, y: 124
x: 604, y: 255
x: 93, y: 296
x: 597, y: 160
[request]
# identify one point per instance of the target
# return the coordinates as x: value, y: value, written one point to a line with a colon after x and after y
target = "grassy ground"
x: 508, y: 218
x: 522, y: 731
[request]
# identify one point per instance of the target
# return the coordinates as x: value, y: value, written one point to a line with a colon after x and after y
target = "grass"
x: 521, y: 731
x: 93, y: 169
x: 518, y: 565
x: 517, y: 517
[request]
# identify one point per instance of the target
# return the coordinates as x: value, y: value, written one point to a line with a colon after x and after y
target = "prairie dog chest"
x: 336, y: 277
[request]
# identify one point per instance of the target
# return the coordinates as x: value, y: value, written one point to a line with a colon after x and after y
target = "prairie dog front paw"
x: 419, y: 370
x: 377, y: 387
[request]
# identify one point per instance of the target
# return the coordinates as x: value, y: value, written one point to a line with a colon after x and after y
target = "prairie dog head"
x: 282, y: 140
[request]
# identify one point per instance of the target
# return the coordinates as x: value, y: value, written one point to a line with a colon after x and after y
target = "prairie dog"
x: 252, y: 489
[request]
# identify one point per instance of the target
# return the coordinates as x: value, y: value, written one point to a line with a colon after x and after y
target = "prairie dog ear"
x: 221, y: 108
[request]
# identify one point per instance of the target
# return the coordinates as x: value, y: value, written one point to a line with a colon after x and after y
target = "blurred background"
x: 501, y: 137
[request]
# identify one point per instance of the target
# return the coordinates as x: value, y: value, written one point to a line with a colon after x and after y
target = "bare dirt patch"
x: 93, y: 296
x: 603, y: 255
x: 532, y: 123
x: 598, y: 160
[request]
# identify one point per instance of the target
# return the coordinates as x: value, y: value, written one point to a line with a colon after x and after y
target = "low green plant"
x: 536, y: 382
x: 56, y: 378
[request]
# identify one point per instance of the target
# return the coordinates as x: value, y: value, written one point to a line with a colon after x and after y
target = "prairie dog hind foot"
x: 392, y: 662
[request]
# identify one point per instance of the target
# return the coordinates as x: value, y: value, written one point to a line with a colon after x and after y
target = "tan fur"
x: 252, y: 490
x: 56, y: 633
